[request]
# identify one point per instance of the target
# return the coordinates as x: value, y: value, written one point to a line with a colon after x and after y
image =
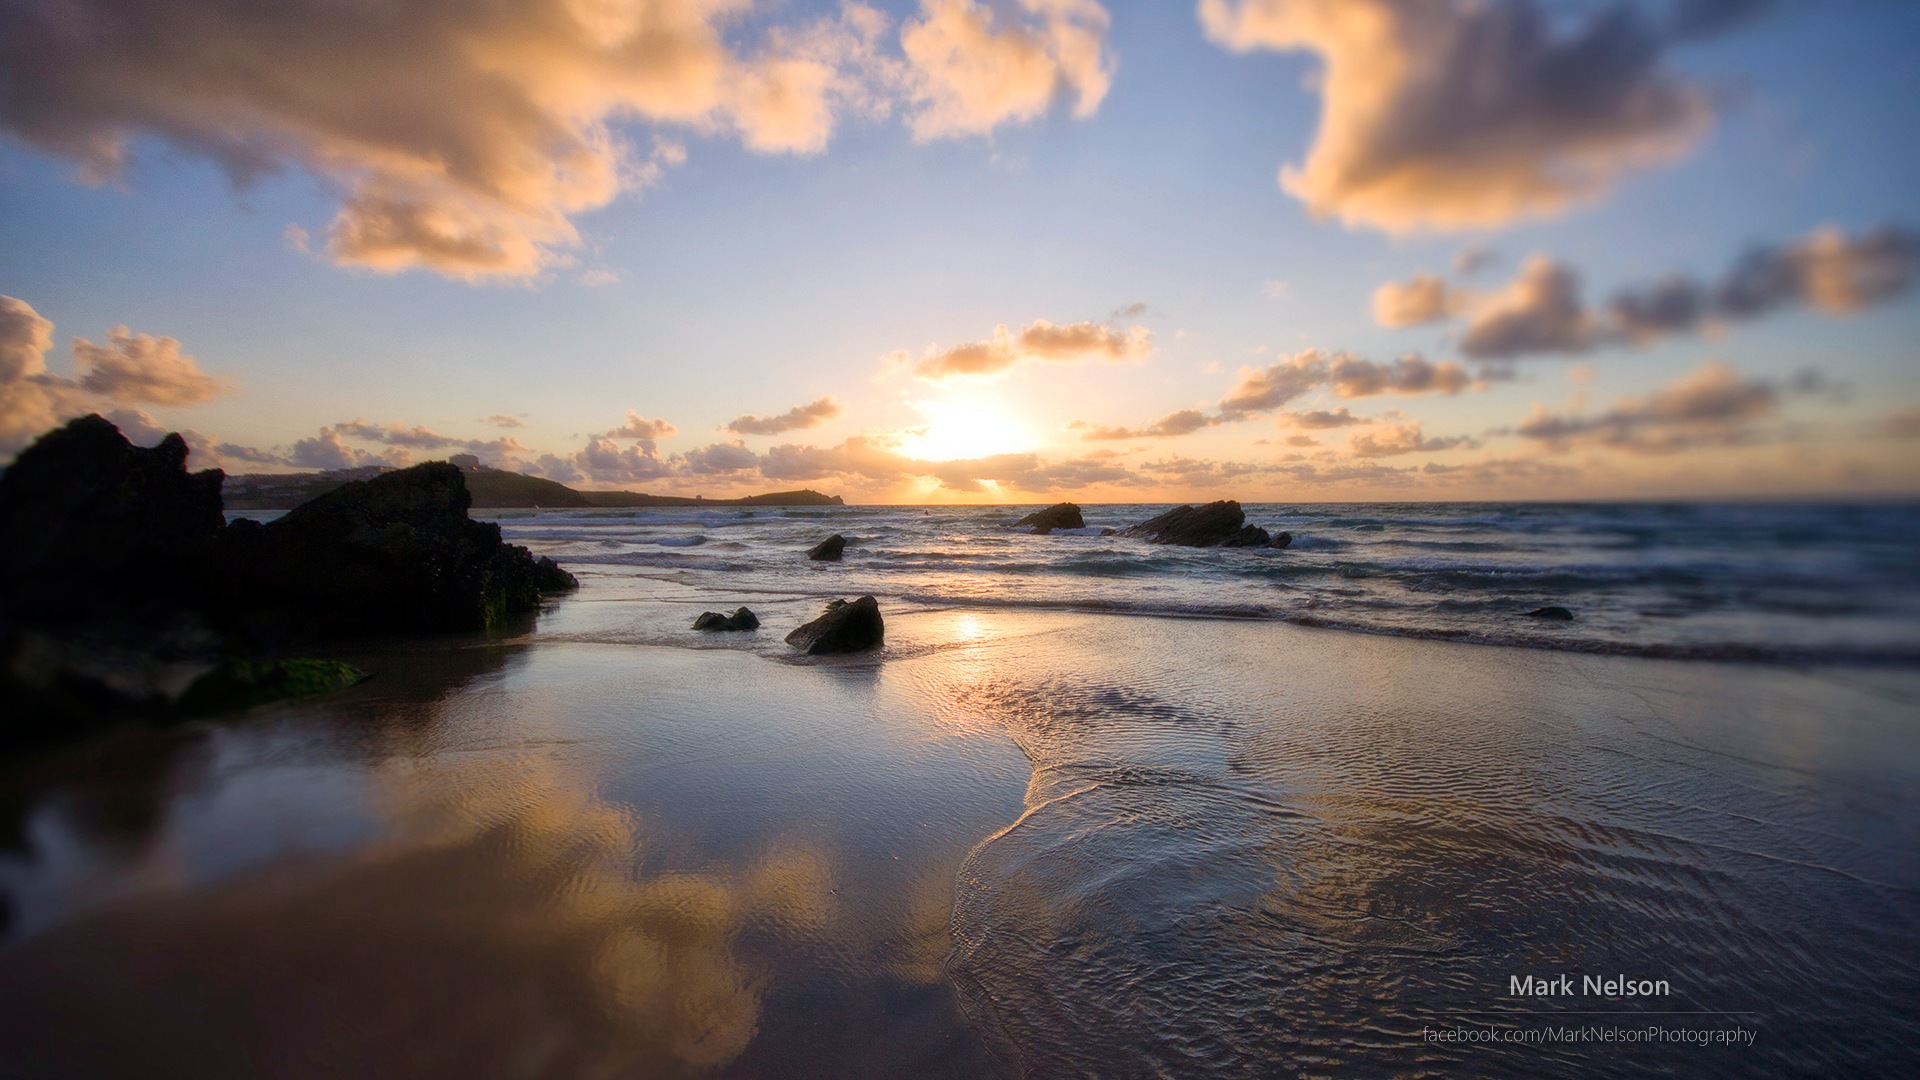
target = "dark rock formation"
x: 828, y: 550
x: 843, y: 628
x: 1064, y: 515
x: 1217, y: 524
x: 741, y: 619
x: 1281, y: 540
x: 93, y: 527
x: 389, y: 555
x: 1557, y: 614
x: 120, y: 581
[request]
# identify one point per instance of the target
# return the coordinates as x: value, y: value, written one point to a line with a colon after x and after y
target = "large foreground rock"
x: 93, y: 527
x: 1217, y: 524
x: 828, y: 550
x: 119, y: 579
x: 843, y: 628
x: 1064, y: 515
x: 393, y: 554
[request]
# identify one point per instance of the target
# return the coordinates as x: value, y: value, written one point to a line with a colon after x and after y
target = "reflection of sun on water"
x: 965, y: 429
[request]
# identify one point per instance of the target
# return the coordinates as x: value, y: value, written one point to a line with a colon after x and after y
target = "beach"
x: 1015, y: 841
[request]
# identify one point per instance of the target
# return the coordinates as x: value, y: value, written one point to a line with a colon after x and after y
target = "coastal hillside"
x: 492, y: 489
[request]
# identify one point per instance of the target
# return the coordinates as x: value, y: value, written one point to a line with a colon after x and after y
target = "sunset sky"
x: 979, y: 250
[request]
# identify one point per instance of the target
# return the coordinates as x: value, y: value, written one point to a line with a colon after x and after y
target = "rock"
x: 1282, y: 540
x: 1558, y: 614
x: 1064, y: 515
x: 741, y: 619
x: 1248, y: 536
x: 93, y: 527
x: 120, y: 580
x: 392, y: 554
x: 843, y: 628
x: 243, y: 684
x: 828, y: 550
x: 1217, y: 524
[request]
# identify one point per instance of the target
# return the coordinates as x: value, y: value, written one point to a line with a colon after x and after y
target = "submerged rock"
x: 1558, y: 614
x: 843, y: 628
x: 242, y: 684
x: 1217, y: 524
x: 741, y: 619
x: 828, y: 550
x: 1281, y: 540
x: 1064, y: 515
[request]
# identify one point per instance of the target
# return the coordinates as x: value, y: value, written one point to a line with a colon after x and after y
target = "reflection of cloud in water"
x: 513, y: 929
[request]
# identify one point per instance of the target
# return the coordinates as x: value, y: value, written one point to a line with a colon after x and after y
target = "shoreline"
x: 1018, y: 806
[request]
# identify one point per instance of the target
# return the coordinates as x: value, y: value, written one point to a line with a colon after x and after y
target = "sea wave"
x: 1774, y: 583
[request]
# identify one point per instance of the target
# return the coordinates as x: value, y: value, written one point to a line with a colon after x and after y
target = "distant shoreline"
x: 491, y: 489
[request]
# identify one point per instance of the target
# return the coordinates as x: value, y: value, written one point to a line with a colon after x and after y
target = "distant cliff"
x: 492, y: 489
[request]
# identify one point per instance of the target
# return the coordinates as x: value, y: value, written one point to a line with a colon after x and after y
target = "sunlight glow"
x: 965, y: 428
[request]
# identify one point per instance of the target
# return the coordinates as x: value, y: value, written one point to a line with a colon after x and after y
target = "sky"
x: 979, y: 250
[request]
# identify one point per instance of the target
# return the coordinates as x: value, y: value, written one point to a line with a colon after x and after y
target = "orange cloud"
x: 462, y: 135
x: 812, y: 414
x: 1041, y: 340
x: 129, y: 368
x: 972, y: 66
x: 1423, y: 298
x: 1457, y: 114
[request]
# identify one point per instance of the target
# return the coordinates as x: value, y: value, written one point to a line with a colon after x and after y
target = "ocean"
x: 1780, y: 582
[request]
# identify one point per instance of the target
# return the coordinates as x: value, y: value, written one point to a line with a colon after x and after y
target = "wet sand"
x: 1014, y: 842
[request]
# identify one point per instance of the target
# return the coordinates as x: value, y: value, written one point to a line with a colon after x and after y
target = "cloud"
x: 1826, y: 270
x: 461, y: 136
x: 1456, y: 114
x: 130, y: 368
x: 329, y: 450
x: 812, y: 414
x: 1539, y: 311
x: 1321, y: 419
x: 416, y: 437
x: 607, y: 461
x: 1712, y: 405
x: 1041, y: 340
x: 1266, y: 389
x: 1411, y: 374
x: 1182, y: 422
x: 972, y: 66
x: 503, y: 420
x: 1542, y: 310
x: 1423, y: 298
x: 1901, y: 424
x: 639, y: 427
x: 31, y: 400
x: 143, y: 368
x: 721, y: 458
x: 1395, y: 439
x: 1474, y: 258
x: 1705, y: 18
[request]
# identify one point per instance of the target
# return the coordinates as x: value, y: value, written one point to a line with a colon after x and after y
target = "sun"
x: 958, y: 429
